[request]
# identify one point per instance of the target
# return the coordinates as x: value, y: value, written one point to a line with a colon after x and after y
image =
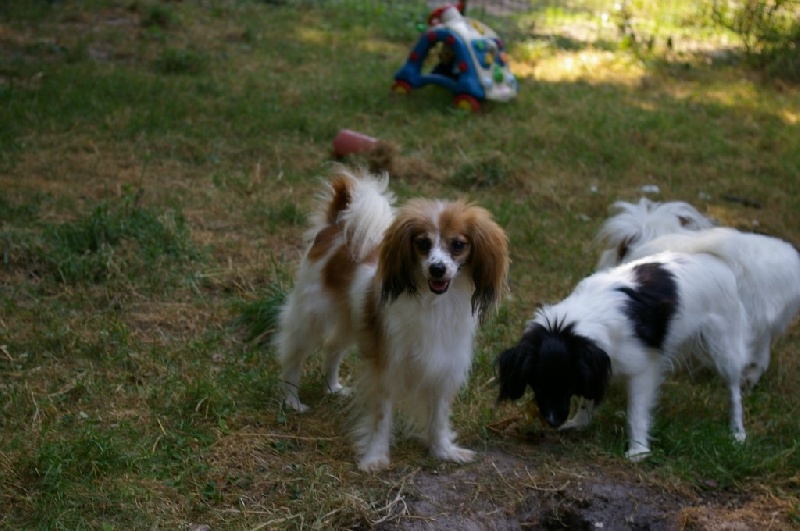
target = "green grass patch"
x: 259, y: 319
x: 119, y: 238
x: 181, y: 61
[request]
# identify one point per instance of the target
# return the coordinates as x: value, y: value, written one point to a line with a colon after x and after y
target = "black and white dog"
x: 634, y: 321
x: 767, y: 269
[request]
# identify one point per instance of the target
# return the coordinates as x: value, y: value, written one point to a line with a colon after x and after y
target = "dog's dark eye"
x: 624, y: 247
x: 458, y: 246
x: 423, y: 244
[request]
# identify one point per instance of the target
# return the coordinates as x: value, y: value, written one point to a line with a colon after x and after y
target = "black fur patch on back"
x: 652, y: 303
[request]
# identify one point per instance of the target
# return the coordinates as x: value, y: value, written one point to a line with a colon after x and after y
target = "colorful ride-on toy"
x: 470, y: 60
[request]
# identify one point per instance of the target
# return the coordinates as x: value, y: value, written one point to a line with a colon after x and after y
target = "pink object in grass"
x: 348, y: 142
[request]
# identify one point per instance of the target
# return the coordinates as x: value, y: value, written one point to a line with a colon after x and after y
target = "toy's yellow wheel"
x: 467, y: 103
x: 401, y: 87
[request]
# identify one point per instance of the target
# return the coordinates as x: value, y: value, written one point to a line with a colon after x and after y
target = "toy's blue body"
x: 444, y: 74
x: 472, y: 63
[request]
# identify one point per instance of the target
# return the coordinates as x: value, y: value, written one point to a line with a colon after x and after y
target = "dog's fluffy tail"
x: 637, y: 223
x: 360, y: 203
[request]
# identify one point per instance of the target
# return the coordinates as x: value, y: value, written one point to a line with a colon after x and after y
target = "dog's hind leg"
x: 291, y: 369
x: 735, y: 387
x: 737, y: 424
x: 728, y: 348
x: 335, y: 351
x: 296, y: 340
x: 758, y: 362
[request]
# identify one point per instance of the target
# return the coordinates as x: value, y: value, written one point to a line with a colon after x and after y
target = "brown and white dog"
x: 409, y: 288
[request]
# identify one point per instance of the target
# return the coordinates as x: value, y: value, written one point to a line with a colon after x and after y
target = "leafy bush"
x: 769, y: 30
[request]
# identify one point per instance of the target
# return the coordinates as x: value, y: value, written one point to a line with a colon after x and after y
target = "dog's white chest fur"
x: 430, y: 336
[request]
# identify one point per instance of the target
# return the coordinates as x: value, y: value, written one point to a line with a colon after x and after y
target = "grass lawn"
x: 158, y: 161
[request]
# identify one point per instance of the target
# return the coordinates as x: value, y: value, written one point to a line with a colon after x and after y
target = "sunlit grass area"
x: 158, y: 161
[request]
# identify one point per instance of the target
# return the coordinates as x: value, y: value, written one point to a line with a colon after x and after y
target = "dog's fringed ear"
x: 397, y: 258
x: 513, y: 367
x: 489, y: 260
x: 594, y: 371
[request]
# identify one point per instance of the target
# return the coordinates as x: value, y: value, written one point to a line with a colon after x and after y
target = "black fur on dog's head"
x: 557, y: 363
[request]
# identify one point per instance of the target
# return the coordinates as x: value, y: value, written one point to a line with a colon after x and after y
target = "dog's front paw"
x: 740, y: 436
x: 339, y: 389
x: 294, y: 403
x: 453, y: 453
x: 575, y: 423
x: 373, y: 463
x: 581, y: 419
x: 637, y: 455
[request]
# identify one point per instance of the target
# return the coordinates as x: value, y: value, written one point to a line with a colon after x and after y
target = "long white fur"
x: 767, y: 272
x: 710, y: 314
x: 767, y: 269
x: 370, y: 213
x: 635, y: 223
x: 428, y: 337
x: 310, y: 318
x: 430, y: 340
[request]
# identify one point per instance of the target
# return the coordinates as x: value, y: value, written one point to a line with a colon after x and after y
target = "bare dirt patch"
x: 512, y: 485
x: 589, y: 498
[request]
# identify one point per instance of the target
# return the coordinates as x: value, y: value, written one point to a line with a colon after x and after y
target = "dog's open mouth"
x: 438, y: 286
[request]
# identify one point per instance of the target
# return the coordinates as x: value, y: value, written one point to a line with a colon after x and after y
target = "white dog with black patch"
x: 634, y: 321
x: 767, y: 269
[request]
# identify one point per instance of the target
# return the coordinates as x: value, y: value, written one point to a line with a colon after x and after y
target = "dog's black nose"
x: 437, y: 270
